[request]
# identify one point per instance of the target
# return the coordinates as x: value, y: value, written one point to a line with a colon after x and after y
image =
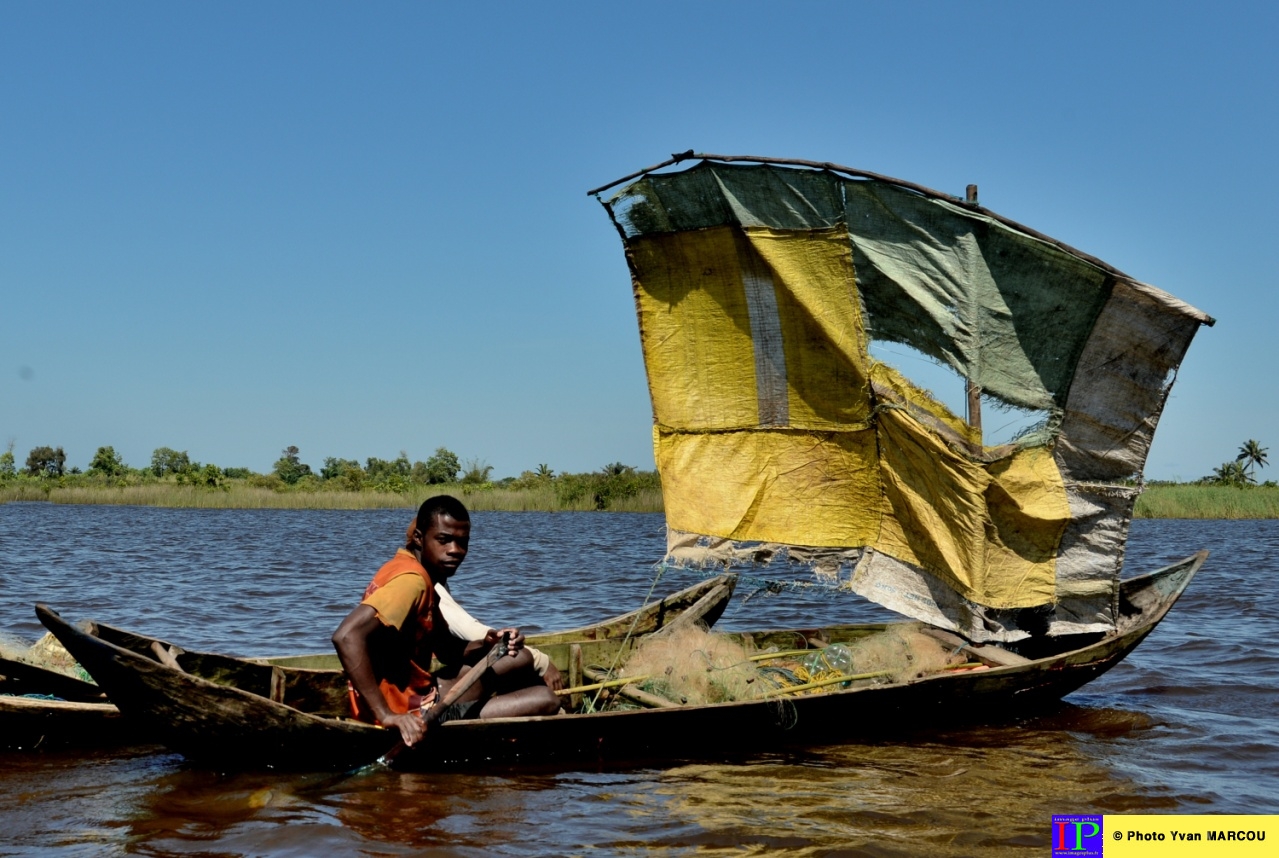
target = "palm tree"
x: 1229, y: 474
x: 476, y: 472
x: 1251, y: 453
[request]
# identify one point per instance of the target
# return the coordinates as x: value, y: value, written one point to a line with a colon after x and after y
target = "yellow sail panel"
x: 751, y: 328
x: 695, y: 330
x: 800, y: 488
x: 818, y: 314
x: 990, y: 531
x: 1029, y: 512
x: 892, y: 389
x: 936, y: 517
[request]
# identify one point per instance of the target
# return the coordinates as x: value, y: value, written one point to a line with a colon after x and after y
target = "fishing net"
x: 47, y: 653
x: 695, y: 666
x: 692, y: 665
x: 12, y: 645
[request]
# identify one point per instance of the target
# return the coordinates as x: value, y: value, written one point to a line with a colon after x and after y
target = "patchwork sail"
x: 761, y: 289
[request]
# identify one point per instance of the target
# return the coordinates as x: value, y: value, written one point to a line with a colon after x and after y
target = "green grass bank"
x: 1159, y: 501
x: 1192, y: 500
x: 236, y: 494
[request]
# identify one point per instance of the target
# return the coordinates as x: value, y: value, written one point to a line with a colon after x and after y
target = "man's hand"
x: 553, y: 678
x: 513, y: 645
x: 410, y: 725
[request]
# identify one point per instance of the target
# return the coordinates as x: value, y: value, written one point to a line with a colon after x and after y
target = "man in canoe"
x: 387, y: 642
x: 464, y: 627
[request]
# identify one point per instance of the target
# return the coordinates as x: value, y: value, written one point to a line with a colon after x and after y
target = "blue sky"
x: 361, y: 228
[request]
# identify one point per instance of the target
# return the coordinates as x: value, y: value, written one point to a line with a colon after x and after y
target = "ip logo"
x: 1077, y: 836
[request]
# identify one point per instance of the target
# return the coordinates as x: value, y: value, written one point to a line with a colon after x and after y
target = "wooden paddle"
x: 499, y: 649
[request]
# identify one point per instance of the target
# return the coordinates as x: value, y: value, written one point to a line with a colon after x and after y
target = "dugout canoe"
x: 84, y: 716
x: 231, y: 712
x: 21, y: 675
x: 31, y: 723
x: 42, y: 707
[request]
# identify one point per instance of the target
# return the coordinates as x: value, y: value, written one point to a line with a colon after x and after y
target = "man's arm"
x: 351, y: 640
x: 461, y: 624
x: 466, y: 627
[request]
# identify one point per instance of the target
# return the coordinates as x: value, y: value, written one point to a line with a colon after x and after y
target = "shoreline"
x: 1162, y: 501
x: 255, y: 497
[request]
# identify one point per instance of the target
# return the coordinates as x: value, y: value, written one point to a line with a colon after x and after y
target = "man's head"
x: 441, y: 532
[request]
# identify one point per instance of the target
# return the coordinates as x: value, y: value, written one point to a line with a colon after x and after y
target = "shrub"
x: 107, y: 463
x: 289, y: 468
x: 442, y: 467
x: 165, y: 460
x: 380, y: 470
x: 267, y: 481
x: 476, y: 473
x: 335, y: 468
x: 46, y: 462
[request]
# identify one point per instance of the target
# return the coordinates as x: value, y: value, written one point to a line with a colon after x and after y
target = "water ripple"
x: 1187, y: 724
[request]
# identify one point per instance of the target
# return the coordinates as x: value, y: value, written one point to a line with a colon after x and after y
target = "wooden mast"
x: 974, y: 391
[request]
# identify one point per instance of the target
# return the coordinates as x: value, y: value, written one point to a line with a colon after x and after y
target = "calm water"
x: 1189, y: 723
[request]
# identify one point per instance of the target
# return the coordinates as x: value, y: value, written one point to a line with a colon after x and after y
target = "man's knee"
x: 534, y: 700
x: 550, y: 702
x: 523, y: 660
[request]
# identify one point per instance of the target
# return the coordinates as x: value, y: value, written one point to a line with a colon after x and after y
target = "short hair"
x: 440, y: 505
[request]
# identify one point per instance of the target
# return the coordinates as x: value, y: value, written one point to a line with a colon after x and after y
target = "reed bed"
x: 1211, y: 502
x: 22, y: 492
x: 1160, y: 501
x: 645, y: 500
x: 540, y: 499
x: 234, y: 496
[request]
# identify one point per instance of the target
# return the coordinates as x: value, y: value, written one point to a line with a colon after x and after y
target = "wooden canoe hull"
x: 29, y: 719
x: 700, y: 731
x: 232, y: 726
x: 19, y: 676
x: 28, y: 723
x: 230, y: 690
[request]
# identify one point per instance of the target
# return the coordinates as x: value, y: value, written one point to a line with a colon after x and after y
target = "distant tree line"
x: 289, y: 473
x: 1241, y: 472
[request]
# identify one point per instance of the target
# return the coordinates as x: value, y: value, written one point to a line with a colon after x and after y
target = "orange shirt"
x: 400, y: 651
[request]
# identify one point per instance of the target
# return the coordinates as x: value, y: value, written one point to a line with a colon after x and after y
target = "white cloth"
x: 466, y: 627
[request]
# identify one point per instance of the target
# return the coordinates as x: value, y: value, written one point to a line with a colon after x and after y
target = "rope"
x: 661, y: 570
x: 762, y: 585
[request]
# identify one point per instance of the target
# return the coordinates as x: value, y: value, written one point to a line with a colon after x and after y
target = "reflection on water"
x: 948, y: 794
x: 1186, y: 724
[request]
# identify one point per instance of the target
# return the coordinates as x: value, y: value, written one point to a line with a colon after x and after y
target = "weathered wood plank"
x: 995, y: 656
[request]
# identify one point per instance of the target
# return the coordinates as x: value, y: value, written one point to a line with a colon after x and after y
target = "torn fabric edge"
x: 893, y: 584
